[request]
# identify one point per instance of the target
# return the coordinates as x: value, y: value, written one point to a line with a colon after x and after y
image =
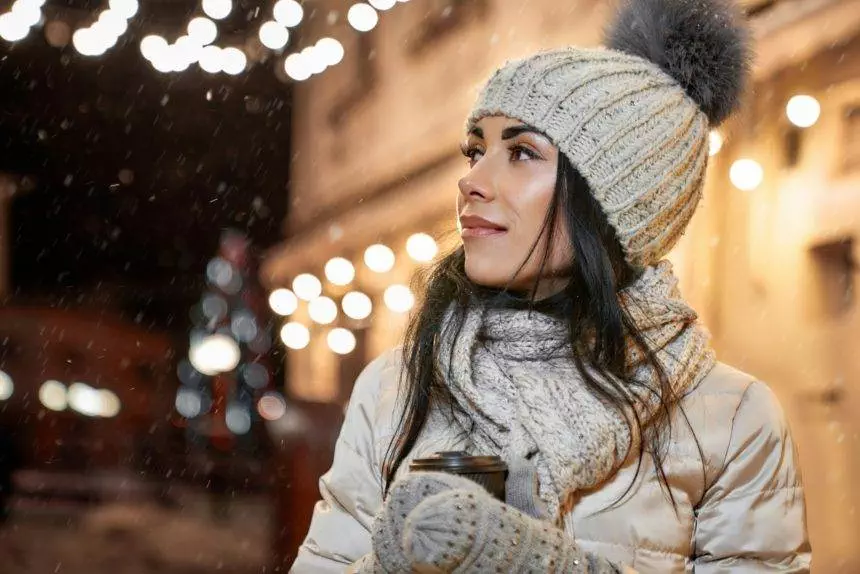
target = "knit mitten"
x: 521, y: 489
x: 403, y: 497
x: 467, y: 531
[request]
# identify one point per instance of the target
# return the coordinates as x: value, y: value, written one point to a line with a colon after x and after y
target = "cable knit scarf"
x: 511, y: 373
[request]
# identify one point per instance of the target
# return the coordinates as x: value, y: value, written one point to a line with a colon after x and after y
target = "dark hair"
x: 588, y: 304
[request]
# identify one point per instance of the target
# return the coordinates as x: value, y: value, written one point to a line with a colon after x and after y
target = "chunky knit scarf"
x: 519, y: 394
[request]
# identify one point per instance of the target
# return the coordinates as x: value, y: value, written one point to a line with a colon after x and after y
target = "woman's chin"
x: 487, y: 276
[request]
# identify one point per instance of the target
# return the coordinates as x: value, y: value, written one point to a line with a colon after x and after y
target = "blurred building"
x: 771, y: 269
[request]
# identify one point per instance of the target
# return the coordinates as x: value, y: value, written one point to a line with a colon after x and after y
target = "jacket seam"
x: 725, y: 464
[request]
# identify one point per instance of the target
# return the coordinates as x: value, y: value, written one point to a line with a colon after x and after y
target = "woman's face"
x: 503, y: 204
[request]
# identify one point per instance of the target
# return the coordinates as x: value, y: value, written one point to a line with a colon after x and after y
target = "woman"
x: 555, y: 337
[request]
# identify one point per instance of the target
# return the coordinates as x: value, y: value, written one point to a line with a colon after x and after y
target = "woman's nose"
x: 473, y: 187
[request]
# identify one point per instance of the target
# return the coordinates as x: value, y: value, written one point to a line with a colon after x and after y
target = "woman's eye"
x: 472, y: 153
x: 519, y: 153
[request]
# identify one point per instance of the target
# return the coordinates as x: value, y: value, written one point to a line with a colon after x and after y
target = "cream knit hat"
x: 634, y: 118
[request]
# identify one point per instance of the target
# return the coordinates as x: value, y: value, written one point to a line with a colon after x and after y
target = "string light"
x: 399, y: 298
x: 52, y: 394
x: 125, y: 8
x: 356, y: 305
x: 421, y: 247
x: 746, y: 174
x: 288, y: 13
x: 295, y: 335
x: 273, y: 35
x: 331, y: 51
x: 104, y: 33
x: 7, y: 387
x: 341, y: 341
x: 217, y: 9
x: 202, y: 31
x: 210, y: 59
x: 13, y: 28
x: 803, y: 111
x: 715, y: 141
x: 168, y: 57
x: 339, y: 271
x: 297, y: 68
x: 307, y: 286
x: 152, y: 47
x: 233, y: 61
x: 213, y: 354
x: 379, y: 258
x: 283, y: 302
x: 322, y: 310
x: 362, y: 17
x: 314, y: 59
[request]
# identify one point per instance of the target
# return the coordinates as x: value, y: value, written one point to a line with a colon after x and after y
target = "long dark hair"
x: 588, y: 304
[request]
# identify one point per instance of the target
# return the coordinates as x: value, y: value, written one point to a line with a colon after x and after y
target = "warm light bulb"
x: 421, y: 247
x: 125, y: 8
x: 362, y: 17
x: 339, y: 271
x: 330, y: 50
x: 233, y: 61
x: 213, y: 354
x: 202, y: 30
x: 27, y: 13
x: 87, y: 42
x: 283, y: 302
x: 211, y: 60
x: 295, y: 336
x: 7, y: 387
x: 322, y: 310
x: 379, y: 258
x: 356, y: 305
x: 307, y: 286
x: 341, y: 341
x: 715, y: 141
x: 746, y: 174
x: 315, y: 60
x: 152, y: 47
x: 12, y: 28
x: 111, y: 404
x: 217, y: 9
x: 297, y: 67
x: 85, y: 399
x: 382, y: 5
x: 112, y: 23
x: 399, y: 298
x: 273, y: 35
x: 803, y: 111
x: 52, y: 394
x: 288, y: 13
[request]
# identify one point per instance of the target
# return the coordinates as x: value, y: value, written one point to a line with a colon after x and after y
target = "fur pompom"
x: 703, y: 44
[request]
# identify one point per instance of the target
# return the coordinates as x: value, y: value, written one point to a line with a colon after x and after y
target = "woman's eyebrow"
x: 514, y: 131
x: 477, y: 132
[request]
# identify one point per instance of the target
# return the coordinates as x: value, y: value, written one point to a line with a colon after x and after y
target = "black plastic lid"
x: 458, y: 461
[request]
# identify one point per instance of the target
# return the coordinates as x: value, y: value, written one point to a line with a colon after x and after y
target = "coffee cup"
x: 488, y: 471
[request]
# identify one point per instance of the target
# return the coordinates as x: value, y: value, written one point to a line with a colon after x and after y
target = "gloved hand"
x: 470, y: 531
x: 403, y: 497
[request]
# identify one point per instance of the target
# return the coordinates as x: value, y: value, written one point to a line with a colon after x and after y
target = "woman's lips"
x: 481, y: 232
x: 475, y: 226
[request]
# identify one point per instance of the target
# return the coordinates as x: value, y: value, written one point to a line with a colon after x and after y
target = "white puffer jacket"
x: 744, y: 514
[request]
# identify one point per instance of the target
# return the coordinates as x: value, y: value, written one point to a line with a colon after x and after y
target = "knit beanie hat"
x: 634, y: 117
